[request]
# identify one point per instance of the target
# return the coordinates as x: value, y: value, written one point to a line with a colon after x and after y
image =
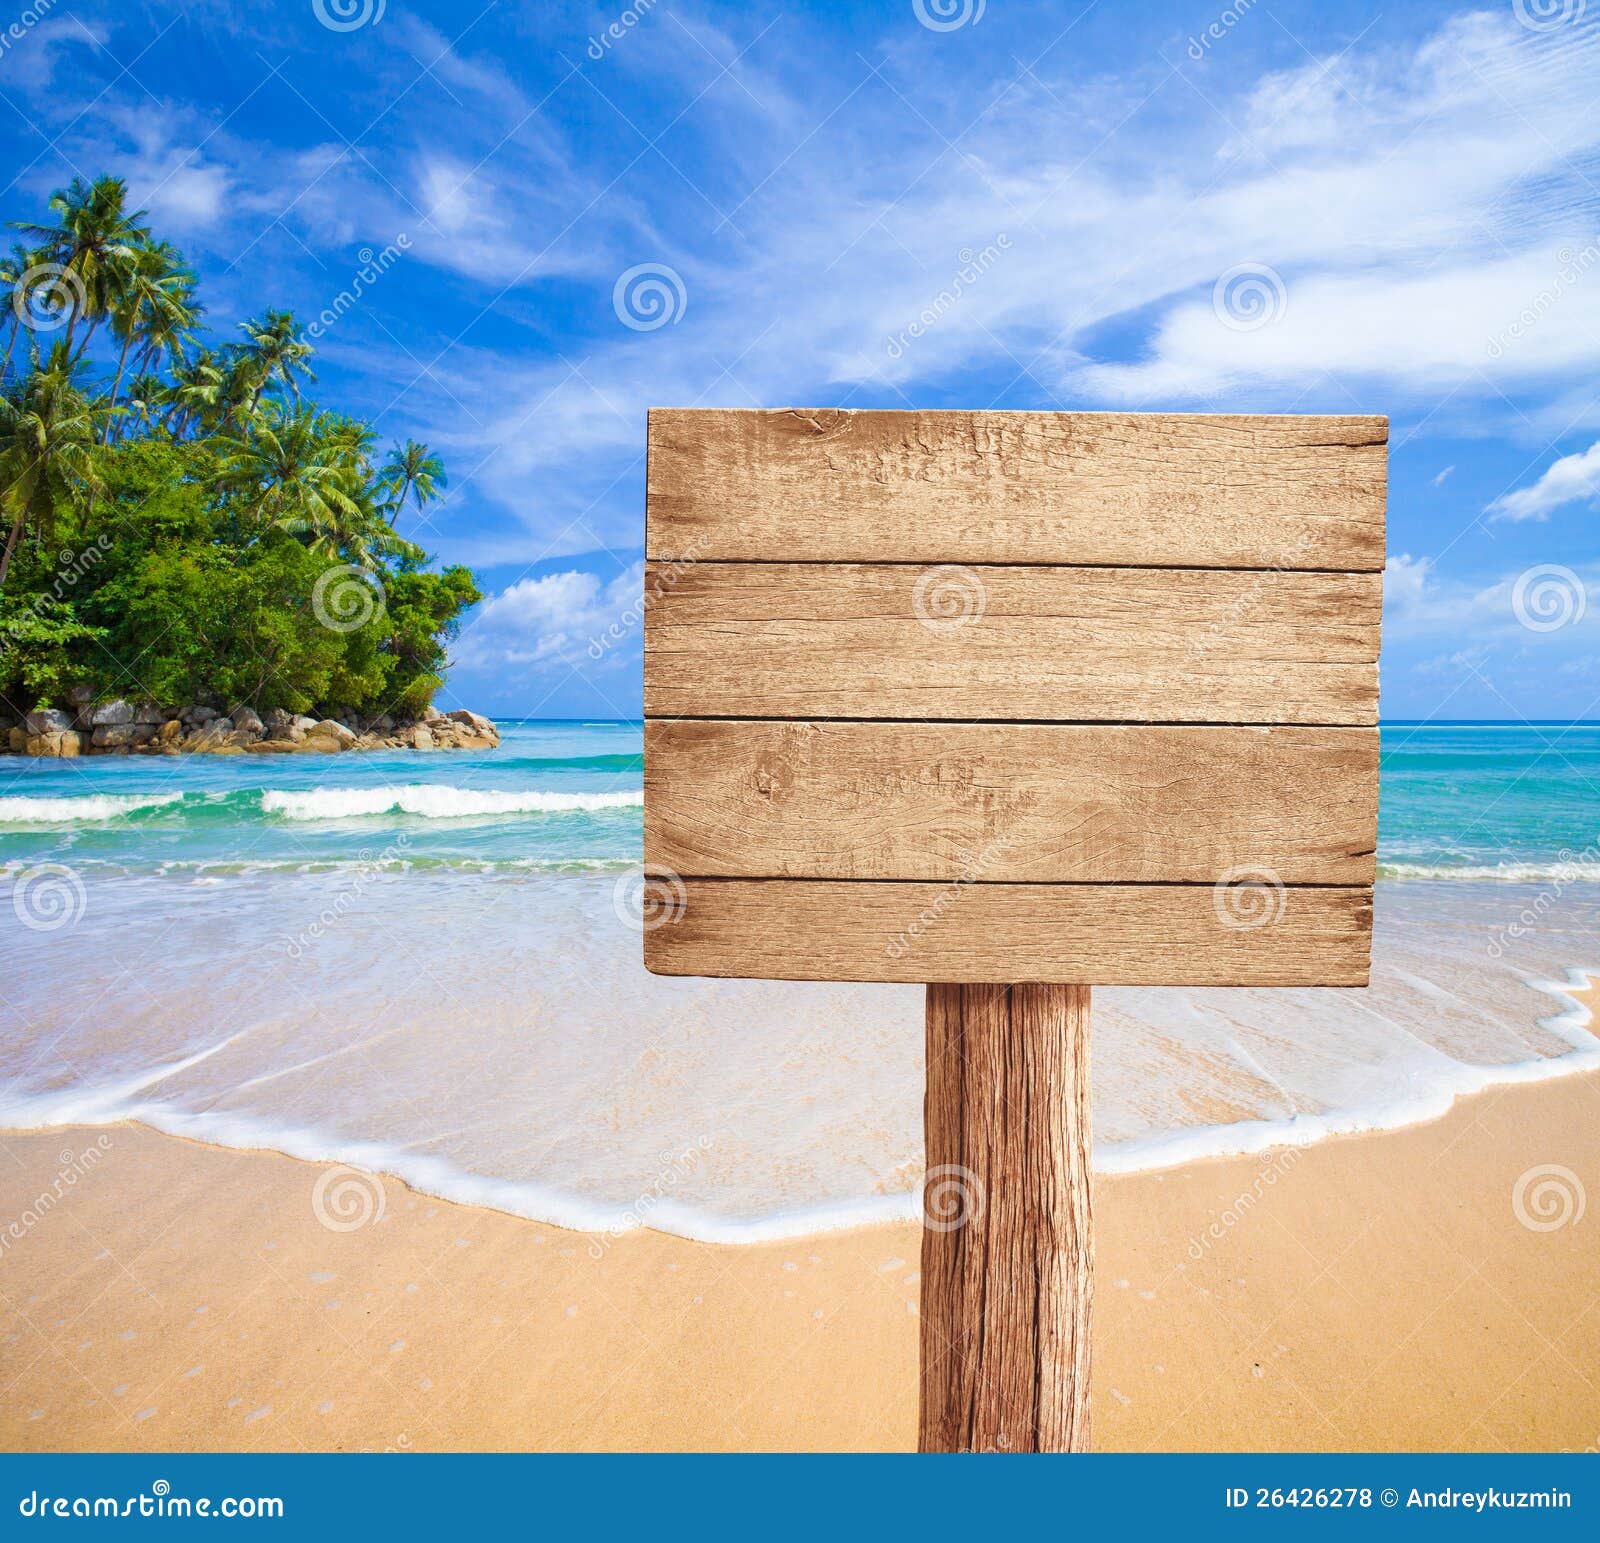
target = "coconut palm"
x: 278, y: 352
x: 295, y: 470
x: 196, y: 391
x: 96, y: 240
x: 147, y: 399
x: 411, y: 470
x: 155, y: 308
x: 46, y: 450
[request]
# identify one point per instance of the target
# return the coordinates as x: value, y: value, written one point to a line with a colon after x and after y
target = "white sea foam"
x: 1554, y: 871
x: 79, y: 809
x: 552, y: 1078
x: 436, y: 801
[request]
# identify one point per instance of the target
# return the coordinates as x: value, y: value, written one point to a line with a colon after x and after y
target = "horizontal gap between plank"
x: 1001, y: 723
x: 776, y: 878
x: 918, y: 562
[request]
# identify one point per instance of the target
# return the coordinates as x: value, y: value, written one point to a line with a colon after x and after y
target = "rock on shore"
x: 121, y: 727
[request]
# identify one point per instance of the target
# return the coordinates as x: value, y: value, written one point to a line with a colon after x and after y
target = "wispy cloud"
x: 1568, y: 480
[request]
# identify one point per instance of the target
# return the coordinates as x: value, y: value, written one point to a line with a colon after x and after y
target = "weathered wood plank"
x: 1242, y: 934
x: 1007, y: 1241
x: 1009, y: 802
x: 1172, y: 489
x: 800, y: 640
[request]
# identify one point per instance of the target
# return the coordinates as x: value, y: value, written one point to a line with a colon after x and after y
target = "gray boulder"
x: 108, y: 714
x: 330, y: 729
x: 246, y: 718
x: 47, y: 720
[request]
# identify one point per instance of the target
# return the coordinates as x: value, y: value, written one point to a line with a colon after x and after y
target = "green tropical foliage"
x: 174, y: 509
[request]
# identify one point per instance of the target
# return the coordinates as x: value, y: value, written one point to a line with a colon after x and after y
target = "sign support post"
x: 1007, y: 1241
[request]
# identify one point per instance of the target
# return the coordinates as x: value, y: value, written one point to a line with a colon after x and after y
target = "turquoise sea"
x: 428, y: 964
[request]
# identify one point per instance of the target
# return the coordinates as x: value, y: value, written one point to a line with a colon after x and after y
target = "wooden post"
x: 1007, y: 1242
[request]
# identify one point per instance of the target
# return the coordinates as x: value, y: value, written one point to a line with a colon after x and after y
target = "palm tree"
x: 13, y: 296
x: 295, y: 470
x: 147, y: 398
x: 46, y: 450
x: 155, y: 308
x: 412, y: 469
x: 196, y: 392
x: 278, y: 352
x: 96, y: 239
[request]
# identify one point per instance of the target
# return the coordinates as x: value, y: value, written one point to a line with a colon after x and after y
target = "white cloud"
x: 570, y: 620
x: 1419, y: 602
x: 1566, y: 481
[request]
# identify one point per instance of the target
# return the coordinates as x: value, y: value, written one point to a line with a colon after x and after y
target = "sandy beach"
x: 1436, y: 1287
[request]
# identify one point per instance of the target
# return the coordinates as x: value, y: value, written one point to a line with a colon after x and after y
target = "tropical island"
x: 196, y: 555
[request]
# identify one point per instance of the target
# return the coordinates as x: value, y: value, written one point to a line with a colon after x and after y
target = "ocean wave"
x: 1557, y: 872
x: 435, y: 801
x: 80, y: 809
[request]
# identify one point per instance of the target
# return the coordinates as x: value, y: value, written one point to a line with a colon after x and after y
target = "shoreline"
x: 1409, y: 1289
x: 437, y: 1179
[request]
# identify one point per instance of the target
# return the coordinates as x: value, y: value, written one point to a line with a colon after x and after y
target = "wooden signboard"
x: 1013, y: 704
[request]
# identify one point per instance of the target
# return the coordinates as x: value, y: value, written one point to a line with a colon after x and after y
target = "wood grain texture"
x: 792, y: 640
x: 1009, y: 802
x: 1172, y: 489
x: 1008, y: 1242
x: 1242, y: 934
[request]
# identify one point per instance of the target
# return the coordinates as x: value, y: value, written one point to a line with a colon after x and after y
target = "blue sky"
x: 567, y: 214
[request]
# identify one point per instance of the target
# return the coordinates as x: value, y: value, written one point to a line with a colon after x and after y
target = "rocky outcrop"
x: 124, y: 727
